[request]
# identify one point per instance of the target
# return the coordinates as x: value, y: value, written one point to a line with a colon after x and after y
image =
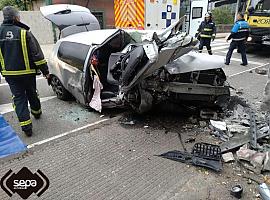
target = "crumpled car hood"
x: 194, y: 62
x: 161, y: 55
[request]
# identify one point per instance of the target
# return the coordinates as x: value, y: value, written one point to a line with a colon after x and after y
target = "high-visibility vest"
x: 207, y: 29
x: 14, y: 52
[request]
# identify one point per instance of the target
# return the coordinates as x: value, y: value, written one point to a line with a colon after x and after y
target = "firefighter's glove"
x: 213, y: 38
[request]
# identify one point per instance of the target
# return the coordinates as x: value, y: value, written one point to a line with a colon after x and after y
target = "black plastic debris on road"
x: 203, y: 155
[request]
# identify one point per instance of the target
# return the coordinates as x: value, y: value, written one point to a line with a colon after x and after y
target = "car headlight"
x: 249, y: 39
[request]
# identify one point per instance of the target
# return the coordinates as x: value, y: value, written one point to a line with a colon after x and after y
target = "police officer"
x: 206, y: 32
x: 21, y: 57
x: 239, y: 35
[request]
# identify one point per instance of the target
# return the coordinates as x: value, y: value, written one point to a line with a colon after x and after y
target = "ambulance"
x: 159, y: 14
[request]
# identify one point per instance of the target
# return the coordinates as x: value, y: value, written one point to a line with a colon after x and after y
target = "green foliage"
x: 4, y: 3
x: 223, y: 15
x: 19, y: 4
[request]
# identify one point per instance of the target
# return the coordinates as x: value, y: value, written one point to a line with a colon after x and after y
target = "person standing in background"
x: 239, y: 35
x: 206, y: 32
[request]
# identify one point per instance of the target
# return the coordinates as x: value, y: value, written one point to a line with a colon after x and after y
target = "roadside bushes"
x: 4, y: 3
x: 19, y: 4
x: 223, y: 15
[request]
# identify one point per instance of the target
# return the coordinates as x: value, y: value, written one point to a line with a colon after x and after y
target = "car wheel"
x: 140, y: 100
x: 59, y: 89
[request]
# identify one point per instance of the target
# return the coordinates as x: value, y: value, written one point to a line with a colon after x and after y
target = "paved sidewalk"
x: 115, y: 162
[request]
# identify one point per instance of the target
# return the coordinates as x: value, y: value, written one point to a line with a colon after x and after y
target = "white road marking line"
x: 220, y: 47
x: 219, y: 40
x: 240, y: 60
x: 234, y: 51
x: 227, y: 51
x: 248, y: 70
x: 250, y: 62
x: 64, y: 134
x: 218, y: 44
x: 6, y: 108
x: 5, y: 84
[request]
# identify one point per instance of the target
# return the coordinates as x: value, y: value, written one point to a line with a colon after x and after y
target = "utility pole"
x: 87, y: 3
x: 24, y: 5
x: 236, y: 9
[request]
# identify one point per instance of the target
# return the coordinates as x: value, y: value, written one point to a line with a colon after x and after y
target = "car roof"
x: 91, y: 37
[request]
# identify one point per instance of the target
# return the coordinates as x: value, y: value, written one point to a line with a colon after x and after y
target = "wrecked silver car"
x: 114, y: 67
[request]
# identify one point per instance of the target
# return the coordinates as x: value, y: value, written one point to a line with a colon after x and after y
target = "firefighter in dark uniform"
x: 21, y: 57
x: 239, y: 35
x: 206, y: 32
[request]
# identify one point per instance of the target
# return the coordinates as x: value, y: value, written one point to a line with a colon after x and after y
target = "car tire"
x: 59, y: 89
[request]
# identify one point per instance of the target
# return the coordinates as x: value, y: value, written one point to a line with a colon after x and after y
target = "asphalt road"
x: 244, y: 77
x: 60, y: 116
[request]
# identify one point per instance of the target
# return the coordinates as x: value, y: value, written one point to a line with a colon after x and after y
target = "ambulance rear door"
x: 152, y: 12
x: 197, y: 12
x: 160, y: 14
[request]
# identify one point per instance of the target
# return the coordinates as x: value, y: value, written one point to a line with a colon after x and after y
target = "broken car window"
x: 73, y: 54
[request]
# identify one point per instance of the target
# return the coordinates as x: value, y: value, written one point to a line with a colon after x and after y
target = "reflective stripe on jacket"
x: 240, y: 31
x: 207, y: 29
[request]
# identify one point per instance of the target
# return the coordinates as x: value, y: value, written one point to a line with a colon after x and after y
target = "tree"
x: 223, y: 15
x: 4, y: 3
x: 19, y: 4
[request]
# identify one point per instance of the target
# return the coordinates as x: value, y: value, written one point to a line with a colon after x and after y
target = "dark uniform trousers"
x: 240, y: 45
x: 205, y: 42
x: 23, y: 90
x: 20, y: 58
